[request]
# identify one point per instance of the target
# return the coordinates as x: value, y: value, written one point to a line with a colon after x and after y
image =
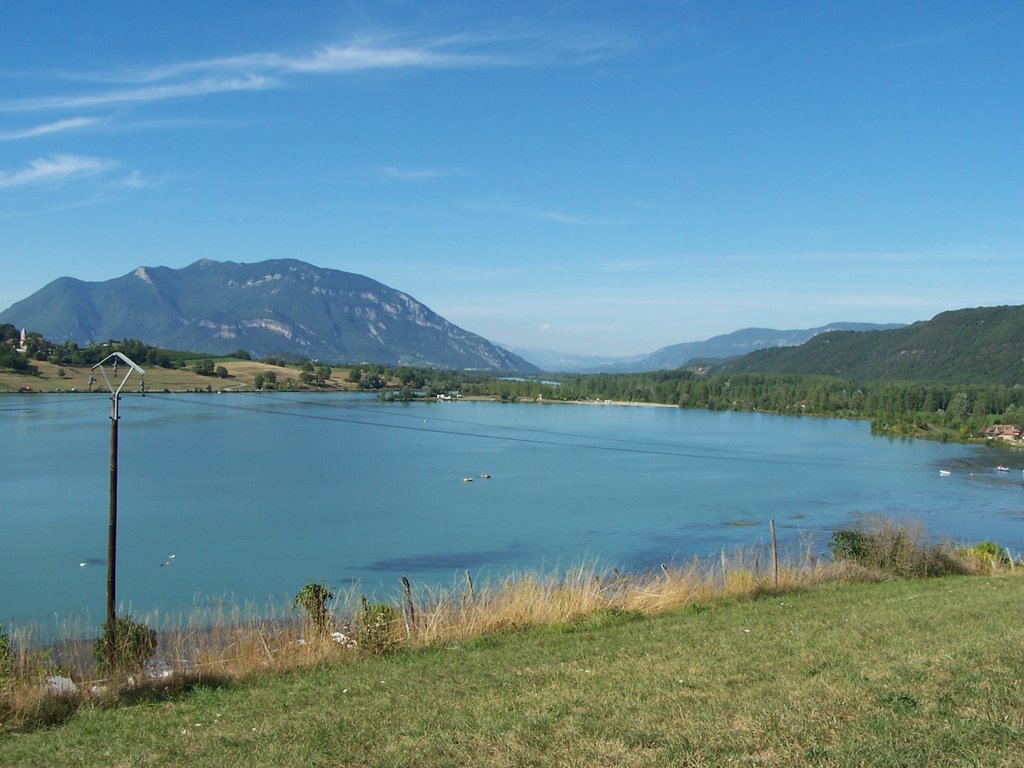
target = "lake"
x: 256, y: 494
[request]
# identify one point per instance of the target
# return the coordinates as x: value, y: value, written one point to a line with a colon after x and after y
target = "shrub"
x: 896, y: 549
x: 134, y: 644
x: 987, y: 554
x: 848, y: 544
x: 379, y: 628
x: 312, y: 601
x: 989, y: 549
x: 6, y: 657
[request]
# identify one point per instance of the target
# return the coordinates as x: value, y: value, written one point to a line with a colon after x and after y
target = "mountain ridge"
x: 275, y: 307
x: 726, y: 345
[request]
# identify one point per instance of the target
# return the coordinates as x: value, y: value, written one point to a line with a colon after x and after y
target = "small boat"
x: 944, y: 473
x: 1001, y: 468
x: 485, y: 476
x: 467, y: 479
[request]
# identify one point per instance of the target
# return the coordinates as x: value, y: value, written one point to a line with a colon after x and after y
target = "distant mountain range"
x: 984, y: 345
x: 296, y: 310
x: 281, y: 307
x: 728, y: 345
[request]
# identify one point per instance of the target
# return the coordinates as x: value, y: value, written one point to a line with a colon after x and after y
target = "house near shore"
x: 1006, y: 432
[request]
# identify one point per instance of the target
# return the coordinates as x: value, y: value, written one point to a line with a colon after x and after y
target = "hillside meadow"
x: 241, y: 377
x: 920, y: 672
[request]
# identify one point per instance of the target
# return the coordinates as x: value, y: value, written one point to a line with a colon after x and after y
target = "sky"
x: 601, y: 178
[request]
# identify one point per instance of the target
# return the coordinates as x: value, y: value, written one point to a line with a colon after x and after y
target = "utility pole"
x: 115, y: 396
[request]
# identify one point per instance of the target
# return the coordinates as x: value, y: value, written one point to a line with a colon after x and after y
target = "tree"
x: 134, y: 644
x: 203, y: 367
x: 312, y: 601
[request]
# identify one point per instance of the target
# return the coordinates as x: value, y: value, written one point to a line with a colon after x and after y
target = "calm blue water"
x: 257, y: 494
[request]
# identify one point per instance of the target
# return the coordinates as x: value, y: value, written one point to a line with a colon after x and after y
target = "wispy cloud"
x: 583, y: 221
x: 55, y: 169
x: 261, y: 71
x: 136, y: 180
x: 358, y: 55
x: 559, y: 217
x: 165, y: 92
x: 59, y: 126
x: 416, y: 174
x: 637, y: 265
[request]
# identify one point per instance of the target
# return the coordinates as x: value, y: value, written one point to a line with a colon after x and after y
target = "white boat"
x: 944, y: 473
x: 1001, y: 468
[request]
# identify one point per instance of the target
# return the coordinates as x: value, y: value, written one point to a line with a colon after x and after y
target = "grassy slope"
x: 907, y: 673
x: 241, y: 377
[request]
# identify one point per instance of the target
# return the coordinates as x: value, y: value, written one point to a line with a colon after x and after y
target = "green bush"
x: 990, y: 549
x: 312, y: 601
x: 6, y: 657
x: 848, y: 544
x: 896, y: 549
x: 134, y: 644
x: 987, y: 554
x: 379, y: 628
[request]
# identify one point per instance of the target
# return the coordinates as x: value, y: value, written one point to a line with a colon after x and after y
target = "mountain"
x: 567, y: 362
x: 677, y: 355
x: 984, y: 345
x: 279, y: 307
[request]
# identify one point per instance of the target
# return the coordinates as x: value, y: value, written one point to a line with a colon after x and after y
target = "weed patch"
x: 896, y: 549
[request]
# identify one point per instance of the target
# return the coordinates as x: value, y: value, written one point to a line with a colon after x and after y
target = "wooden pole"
x: 411, y: 622
x: 775, y: 558
x: 472, y: 592
x: 112, y: 544
x: 115, y: 396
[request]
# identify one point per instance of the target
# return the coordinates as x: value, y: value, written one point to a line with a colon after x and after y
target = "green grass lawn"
x: 905, y: 673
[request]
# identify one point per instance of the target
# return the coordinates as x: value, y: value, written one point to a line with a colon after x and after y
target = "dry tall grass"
x: 241, y: 643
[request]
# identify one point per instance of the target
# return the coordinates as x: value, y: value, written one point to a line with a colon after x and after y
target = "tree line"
x: 938, y: 411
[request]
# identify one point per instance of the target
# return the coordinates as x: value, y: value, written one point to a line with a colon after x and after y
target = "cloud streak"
x: 416, y: 174
x: 558, y: 217
x: 166, y: 92
x: 60, y: 126
x: 262, y: 71
x: 55, y: 169
x: 582, y: 221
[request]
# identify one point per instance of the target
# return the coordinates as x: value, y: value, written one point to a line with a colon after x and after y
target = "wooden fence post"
x: 410, y: 621
x: 472, y: 592
x: 775, y: 559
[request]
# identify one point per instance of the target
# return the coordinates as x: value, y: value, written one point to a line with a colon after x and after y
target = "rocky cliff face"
x: 279, y: 307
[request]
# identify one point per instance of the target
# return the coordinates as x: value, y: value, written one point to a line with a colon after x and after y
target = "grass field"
x: 901, y: 673
x: 241, y: 377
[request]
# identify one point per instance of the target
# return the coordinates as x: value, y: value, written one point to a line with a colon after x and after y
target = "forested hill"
x: 967, y: 346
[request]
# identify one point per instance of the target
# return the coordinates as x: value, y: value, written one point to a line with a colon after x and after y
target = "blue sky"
x: 601, y: 178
